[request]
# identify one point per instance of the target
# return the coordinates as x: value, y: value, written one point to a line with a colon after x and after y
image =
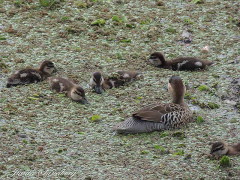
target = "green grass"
x: 47, y: 3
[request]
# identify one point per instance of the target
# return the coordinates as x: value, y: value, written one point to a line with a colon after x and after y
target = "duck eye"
x: 78, y: 93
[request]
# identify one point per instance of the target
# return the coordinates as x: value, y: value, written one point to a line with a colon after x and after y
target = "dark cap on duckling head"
x: 157, y: 59
x: 217, y: 147
x: 79, y: 95
x: 96, y: 82
x: 47, y: 67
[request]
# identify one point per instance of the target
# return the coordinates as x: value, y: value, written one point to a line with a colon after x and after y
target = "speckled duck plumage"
x: 222, y: 148
x: 100, y: 83
x: 72, y: 90
x: 27, y: 76
x: 178, y: 64
x: 161, y: 116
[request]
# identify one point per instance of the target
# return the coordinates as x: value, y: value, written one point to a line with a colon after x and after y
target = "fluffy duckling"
x: 180, y: 64
x: 161, y: 116
x: 27, y: 76
x: 99, y: 83
x: 222, y: 148
x: 72, y: 90
x: 129, y: 75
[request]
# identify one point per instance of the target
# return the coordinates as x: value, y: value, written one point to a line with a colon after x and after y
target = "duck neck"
x: 45, y: 75
x: 162, y: 59
x: 178, y: 100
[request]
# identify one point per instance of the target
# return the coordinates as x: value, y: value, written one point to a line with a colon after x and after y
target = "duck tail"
x: 133, y: 126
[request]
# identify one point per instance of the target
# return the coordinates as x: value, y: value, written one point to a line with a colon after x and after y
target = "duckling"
x: 180, y: 64
x: 129, y: 75
x: 222, y: 148
x: 28, y: 76
x: 161, y: 116
x: 72, y: 90
x: 99, y: 83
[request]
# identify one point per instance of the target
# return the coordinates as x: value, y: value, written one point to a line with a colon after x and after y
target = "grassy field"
x: 45, y: 135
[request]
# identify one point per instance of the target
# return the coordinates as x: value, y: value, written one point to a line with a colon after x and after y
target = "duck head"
x: 219, y: 148
x: 177, y: 89
x: 96, y: 82
x: 47, y: 67
x: 157, y: 59
x: 78, y: 94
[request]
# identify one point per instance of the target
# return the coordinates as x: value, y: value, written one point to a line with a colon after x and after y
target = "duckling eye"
x: 78, y: 93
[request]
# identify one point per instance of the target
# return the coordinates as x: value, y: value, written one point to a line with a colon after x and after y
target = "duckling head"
x: 96, y: 82
x: 219, y: 148
x: 157, y: 59
x: 78, y: 94
x: 47, y: 67
x: 177, y: 89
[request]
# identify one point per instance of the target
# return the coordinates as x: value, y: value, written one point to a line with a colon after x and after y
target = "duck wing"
x: 157, y: 112
x: 60, y: 84
x: 25, y: 76
x: 155, y: 118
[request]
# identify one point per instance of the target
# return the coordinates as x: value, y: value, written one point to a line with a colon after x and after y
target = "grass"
x: 62, y: 141
x: 47, y: 3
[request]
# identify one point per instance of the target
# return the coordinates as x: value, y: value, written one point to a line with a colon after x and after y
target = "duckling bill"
x: 28, y: 76
x: 162, y: 116
x: 72, y: 90
x: 222, y: 148
x: 178, y: 64
x: 100, y: 84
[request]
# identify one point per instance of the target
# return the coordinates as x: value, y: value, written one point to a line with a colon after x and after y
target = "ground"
x: 45, y: 135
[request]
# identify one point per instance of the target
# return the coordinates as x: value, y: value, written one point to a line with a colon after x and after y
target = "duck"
x: 99, y: 84
x: 222, y: 148
x: 68, y: 86
x: 178, y: 64
x: 162, y: 116
x: 28, y: 75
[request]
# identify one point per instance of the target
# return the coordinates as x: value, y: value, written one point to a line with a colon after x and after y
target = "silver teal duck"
x: 162, y: 116
x: 67, y: 86
x: 178, y: 64
x: 222, y: 148
x: 99, y: 83
x: 28, y: 76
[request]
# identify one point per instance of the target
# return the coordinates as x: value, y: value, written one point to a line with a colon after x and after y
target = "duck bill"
x: 98, y: 89
x: 55, y: 70
x: 84, y: 101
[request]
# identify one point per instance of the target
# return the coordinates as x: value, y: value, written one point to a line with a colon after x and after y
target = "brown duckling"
x: 130, y: 75
x: 72, y: 90
x: 99, y: 83
x: 222, y: 148
x: 161, y: 116
x: 28, y: 76
x: 180, y: 64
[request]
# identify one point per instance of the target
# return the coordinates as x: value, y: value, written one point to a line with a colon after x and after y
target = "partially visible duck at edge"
x: 28, y: 76
x: 99, y: 84
x: 178, y: 64
x: 72, y: 90
x: 221, y: 148
x: 162, y: 116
